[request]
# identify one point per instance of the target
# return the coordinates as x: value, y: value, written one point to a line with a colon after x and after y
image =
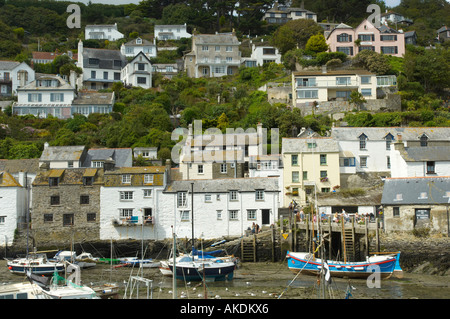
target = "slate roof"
x: 379, y: 133
x: 416, y: 190
x: 71, y: 176
x: 219, y: 39
x: 63, y: 84
x: 7, y: 180
x: 269, y: 184
x: 122, y: 156
x: 106, y: 58
x: 8, y: 65
x: 62, y: 153
x: 19, y: 165
x: 93, y: 98
x: 134, y: 43
x: 113, y: 178
x: 300, y: 145
x: 429, y: 153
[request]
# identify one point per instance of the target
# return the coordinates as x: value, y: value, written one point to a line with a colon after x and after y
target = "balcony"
x: 134, y: 221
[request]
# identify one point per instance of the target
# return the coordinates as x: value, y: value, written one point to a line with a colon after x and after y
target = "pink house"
x: 382, y: 40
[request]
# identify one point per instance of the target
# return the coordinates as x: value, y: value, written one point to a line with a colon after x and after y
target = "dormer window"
x: 138, y: 41
x: 362, y: 141
x: 126, y: 179
x: 424, y: 140
x: 389, y: 138
x: 53, y: 181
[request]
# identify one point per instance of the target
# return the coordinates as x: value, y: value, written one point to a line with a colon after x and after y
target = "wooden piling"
x: 377, y: 232
x: 366, y: 238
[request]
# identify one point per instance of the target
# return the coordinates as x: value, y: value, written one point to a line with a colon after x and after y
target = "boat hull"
x: 196, y: 271
x: 384, y: 265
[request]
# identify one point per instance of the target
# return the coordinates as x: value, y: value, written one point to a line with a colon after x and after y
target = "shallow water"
x: 261, y: 280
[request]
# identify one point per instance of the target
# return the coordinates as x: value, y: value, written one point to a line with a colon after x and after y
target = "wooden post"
x: 307, y: 232
x: 366, y: 221
x: 272, y: 237
x: 377, y: 234
x: 353, y: 238
x: 330, y: 232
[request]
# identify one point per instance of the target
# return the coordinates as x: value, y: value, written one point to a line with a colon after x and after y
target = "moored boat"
x: 197, y: 270
x: 384, y: 265
x: 36, y: 263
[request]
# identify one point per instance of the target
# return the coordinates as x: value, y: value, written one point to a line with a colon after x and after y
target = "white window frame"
x: 251, y: 214
x: 126, y: 179
x: 208, y: 198
x: 126, y: 212
x: 233, y: 214
x: 181, y: 199
x: 148, y: 193
x: 234, y: 196
x: 126, y: 195
x: 259, y: 195
x: 185, y: 215
x: 148, y: 178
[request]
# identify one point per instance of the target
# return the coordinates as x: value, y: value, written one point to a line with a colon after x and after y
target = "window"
x: 233, y: 214
x: 207, y: 198
x: 117, y: 76
x: 234, y: 195
x: 53, y: 181
x: 346, y: 50
x: 54, y: 200
x: 181, y: 199
x: 306, y: 82
x: 93, y: 74
x: 217, y: 48
x: 363, y: 161
x: 347, y: 162
x: 229, y: 48
x: 396, y: 211
x: 388, y: 162
x: 389, y: 50
x: 366, y: 92
x: 323, y: 159
x: 118, y: 63
x: 67, y: 219
x: 295, y: 177
x: 424, y: 140
x: 48, y: 218
x: 2, y: 220
x: 366, y: 37
x: 259, y: 195
x: 184, y: 215
x: 223, y: 168
x: 366, y: 47
x: 126, y: 195
x: 147, y: 193
x: 105, y: 75
x: 294, y: 160
x: 365, y: 80
x: 423, y: 195
x: 389, y: 139
x: 97, y: 164
x: 251, y: 214
x: 431, y: 167
x: 205, y: 48
x: 362, y: 141
x: 343, y: 80
x: 126, y: 179
x: 219, y: 214
x: 305, y: 175
x: 323, y: 176
x: 141, y: 66
x: 148, y: 178
x: 312, y: 145
x: 307, y: 94
x: 91, y: 217
x: 388, y: 38
x: 269, y: 51
x: 84, y: 199
x: 126, y: 212
x: 295, y: 191
x: 325, y: 189
x: 344, y: 37
x: 34, y: 97
x: 141, y: 80
x: 56, y: 97
x: 229, y: 59
x: 200, y: 169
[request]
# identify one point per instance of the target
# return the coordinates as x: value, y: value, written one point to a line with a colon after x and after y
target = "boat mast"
x: 192, y: 214
x: 174, y: 277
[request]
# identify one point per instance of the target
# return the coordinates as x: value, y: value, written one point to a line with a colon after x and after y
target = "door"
x: 265, y: 216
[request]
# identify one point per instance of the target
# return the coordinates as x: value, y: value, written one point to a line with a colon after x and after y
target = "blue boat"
x: 386, y: 265
x: 196, y: 270
x: 36, y: 264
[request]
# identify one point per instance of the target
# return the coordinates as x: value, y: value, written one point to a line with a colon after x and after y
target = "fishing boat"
x: 308, y: 264
x: 84, y: 260
x: 37, y: 263
x: 57, y: 287
x: 20, y: 290
x: 196, y: 270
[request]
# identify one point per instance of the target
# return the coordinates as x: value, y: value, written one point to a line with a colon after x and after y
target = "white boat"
x: 21, y: 290
x: 84, y: 260
x: 36, y: 263
x: 135, y: 261
x: 58, y: 287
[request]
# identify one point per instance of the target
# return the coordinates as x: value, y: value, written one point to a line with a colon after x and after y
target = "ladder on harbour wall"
x: 248, y: 249
x: 350, y: 244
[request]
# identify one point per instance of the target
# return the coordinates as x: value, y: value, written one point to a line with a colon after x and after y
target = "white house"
x: 61, y: 157
x: 13, y: 75
x: 133, y: 47
x: 146, y: 152
x: 369, y: 149
x: 281, y: 14
x: 102, y: 32
x: 13, y: 205
x: 262, y: 53
x: 335, y: 85
x: 419, y: 161
x: 394, y: 17
x: 48, y: 94
x: 101, y: 68
x: 131, y: 203
x: 171, y: 32
x: 138, y: 72
x: 222, y: 207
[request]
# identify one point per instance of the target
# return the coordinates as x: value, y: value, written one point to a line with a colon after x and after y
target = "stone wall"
x: 55, y: 232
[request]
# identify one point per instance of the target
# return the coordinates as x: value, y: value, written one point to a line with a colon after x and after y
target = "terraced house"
x: 66, y: 205
x: 129, y: 202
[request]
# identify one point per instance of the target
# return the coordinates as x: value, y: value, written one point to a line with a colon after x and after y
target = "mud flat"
x: 262, y: 280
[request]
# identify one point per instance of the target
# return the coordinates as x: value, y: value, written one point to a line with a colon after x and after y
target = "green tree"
x: 317, y: 43
x: 295, y: 33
